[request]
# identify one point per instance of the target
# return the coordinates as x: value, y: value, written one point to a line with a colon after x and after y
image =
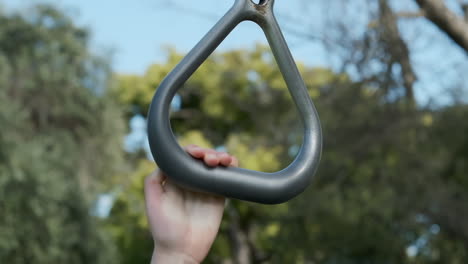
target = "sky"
x: 136, y: 32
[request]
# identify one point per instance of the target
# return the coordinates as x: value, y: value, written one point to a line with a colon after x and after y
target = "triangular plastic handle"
x: 242, y: 184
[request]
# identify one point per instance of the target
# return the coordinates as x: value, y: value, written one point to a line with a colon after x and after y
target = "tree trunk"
x: 397, y: 48
x: 238, y: 238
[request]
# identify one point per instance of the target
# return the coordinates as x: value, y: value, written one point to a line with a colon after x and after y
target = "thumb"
x: 153, y: 192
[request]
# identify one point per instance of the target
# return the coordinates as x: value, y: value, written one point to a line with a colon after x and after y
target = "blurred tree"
x: 60, y: 140
x: 391, y: 187
x: 375, y: 192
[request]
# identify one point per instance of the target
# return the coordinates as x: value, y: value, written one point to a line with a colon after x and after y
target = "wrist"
x: 163, y: 255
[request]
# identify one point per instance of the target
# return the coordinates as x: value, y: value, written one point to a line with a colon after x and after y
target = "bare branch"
x: 302, y: 34
x: 397, y: 47
x: 454, y: 26
x: 407, y: 14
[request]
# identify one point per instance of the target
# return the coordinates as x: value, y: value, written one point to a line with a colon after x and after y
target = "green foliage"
x: 127, y: 223
x: 372, y: 188
x: 60, y: 140
x: 392, y: 175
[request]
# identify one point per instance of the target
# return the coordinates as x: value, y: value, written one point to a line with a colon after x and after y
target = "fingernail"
x: 210, y: 156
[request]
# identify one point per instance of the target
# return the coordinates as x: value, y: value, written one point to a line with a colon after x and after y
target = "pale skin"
x: 184, y: 223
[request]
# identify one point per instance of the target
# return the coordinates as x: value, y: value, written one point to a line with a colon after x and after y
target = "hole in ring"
x: 259, y: 2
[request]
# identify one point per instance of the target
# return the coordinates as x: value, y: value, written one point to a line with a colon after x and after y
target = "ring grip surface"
x: 237, y: 183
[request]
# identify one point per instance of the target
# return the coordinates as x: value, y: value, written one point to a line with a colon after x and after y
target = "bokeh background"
x: 389, y: 79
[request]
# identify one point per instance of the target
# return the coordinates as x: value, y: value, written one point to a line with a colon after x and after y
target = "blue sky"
x: 135, y: 32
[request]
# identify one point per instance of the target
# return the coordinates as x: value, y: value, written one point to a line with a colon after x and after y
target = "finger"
x: 198, y: 152
x: 195, y: 151
x: 211, y: 159
x: 224, y: 159
x: 234, y: 162
x: 153, y: 190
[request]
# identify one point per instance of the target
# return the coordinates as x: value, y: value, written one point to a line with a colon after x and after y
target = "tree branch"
x: 407, y: 14
x: 397, y: 47
x: 454, y: 26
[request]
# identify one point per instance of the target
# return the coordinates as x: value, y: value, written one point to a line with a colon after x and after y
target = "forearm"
x: 161, y: 256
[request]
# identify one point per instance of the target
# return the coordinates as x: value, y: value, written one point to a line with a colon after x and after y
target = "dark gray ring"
x: 254, y: 186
